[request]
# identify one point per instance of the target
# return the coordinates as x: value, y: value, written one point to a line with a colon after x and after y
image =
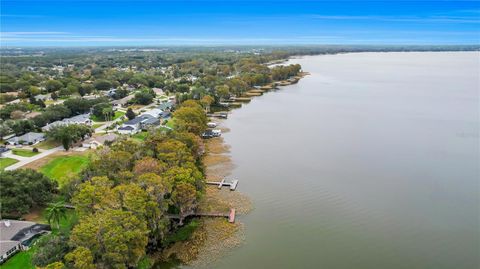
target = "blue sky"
x: 281, y: 22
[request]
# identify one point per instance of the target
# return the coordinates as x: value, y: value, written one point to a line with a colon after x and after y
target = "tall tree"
x: 130, y: 114
x: 56, y: 212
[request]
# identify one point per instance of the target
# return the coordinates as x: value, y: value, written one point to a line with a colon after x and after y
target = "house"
x: 137, y: 124
x: 153, y: 112
x: 3, y: 150
x: 166, y: 105
x: 158, y: 91
x: 79, y: 119
x: 30, y: 138
x: 111, y: 92
x: 95, y: 142
x: 16, y: 235
x: 52, y: 125
x: 42, y: 97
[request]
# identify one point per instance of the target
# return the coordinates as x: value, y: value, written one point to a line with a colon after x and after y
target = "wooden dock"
x: 230, y: 215
x: 232, y: 185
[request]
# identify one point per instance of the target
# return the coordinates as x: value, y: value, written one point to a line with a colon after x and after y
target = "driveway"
x: 26, y: 161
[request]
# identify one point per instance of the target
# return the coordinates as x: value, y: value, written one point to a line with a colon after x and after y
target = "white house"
x: 137, y: 124
x: 155, y: 112
x: 95, y: 142
x: 79, y: 119
x: 30, y: 138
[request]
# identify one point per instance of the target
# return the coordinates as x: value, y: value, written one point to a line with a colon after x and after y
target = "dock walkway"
x: 230, y: 215
x: 232, y: 185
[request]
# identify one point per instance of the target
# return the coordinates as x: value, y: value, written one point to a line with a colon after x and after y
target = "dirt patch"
x: 35, y: 215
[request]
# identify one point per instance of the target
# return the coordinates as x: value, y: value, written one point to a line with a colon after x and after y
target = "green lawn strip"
x: 170, y: 122
x: 96, y: 125
x: 21, y: 260
x: 140, y: 136
x: 117, y: 115
x: 5, y: 162
x: 63, y: 167
x: 24, y: 152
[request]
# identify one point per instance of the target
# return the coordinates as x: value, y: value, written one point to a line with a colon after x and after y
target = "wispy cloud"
x: 430, y: 19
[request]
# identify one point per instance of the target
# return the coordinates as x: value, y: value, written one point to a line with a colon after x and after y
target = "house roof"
x: 28, y: 137
x: 151, y: 121
x: 156, y: 112
x: 7, y: 245
x: 138, y: 119
x: 9, y: 228
x: 78, y: 119
x: 14, y: 232
x: 165, y: 105
x: 53, y: 124
x: 104, y: 138
x: 126, y: 128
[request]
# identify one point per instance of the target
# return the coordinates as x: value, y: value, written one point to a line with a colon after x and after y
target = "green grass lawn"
x: 63, y: 167
x: 48, y: 144
x: 117, y: 115
x: 140, y: 136
x: 21, y: 260
x: 96, y: 125
x: 5, y: 162
x: 170, y: 122
x: 24, y: 152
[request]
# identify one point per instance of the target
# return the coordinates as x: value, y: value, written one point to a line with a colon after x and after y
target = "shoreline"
x: 215, y: 238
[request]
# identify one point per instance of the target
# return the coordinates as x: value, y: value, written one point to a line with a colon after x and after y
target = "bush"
x: 35, y: 150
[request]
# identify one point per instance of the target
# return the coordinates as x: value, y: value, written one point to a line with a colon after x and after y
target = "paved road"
x: 33, y: 158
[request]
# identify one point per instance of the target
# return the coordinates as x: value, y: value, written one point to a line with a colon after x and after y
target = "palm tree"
x: 56, y: 212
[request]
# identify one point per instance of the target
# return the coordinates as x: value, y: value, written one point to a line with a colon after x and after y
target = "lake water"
x: 372, y: 161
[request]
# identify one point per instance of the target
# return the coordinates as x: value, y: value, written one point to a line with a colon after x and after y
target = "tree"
x: 23, y: 189
x: 116, y: 238
x: 103, y: 111
x: 56, y: 212
x: 206, y: 101
x: 69, y: 134
x: 91, y: 194
x: 102, y: 85
x: 191, y: 119
x: 223, y: 91
x: 143, y: 97
x: 130, y: 114
x: 184, y: 197
x: 148, y: 165
x: 80, y: 258
x: 110, y: 163
x: 50, y: 248
x: 53, y: 85
x: 173, y: 153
